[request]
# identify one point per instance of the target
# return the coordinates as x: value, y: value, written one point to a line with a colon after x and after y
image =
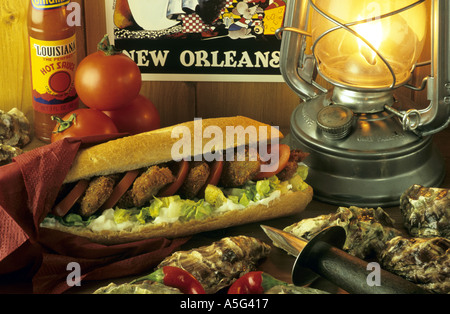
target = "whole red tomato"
x: 107, y: 79
x: 139, y: 116
x: 83, y: 122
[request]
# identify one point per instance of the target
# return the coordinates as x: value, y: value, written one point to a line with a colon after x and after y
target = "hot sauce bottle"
x: 53, y: 61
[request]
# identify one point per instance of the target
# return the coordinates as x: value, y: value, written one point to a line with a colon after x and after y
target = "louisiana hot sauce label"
x: 49, y: 4
x: 53, y: 65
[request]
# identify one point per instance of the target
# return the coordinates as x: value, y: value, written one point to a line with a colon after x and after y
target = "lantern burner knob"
x: 335, y: 121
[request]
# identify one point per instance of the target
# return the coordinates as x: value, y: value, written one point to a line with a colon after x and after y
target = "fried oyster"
x: 424, y: 261
x: 218, y: 265
x: 426, y: 211
x: 367, y: 229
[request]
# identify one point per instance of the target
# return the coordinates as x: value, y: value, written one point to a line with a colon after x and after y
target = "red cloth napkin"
x: 28, y: 190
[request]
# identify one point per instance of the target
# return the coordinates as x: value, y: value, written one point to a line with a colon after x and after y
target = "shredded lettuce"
x: 144, y: 215
x: 253, y: 191
x: 297, y: 181
x: 265, y: 187
x: 124, y: 215
x: 214, y: 196
x: 74, y: 220
x: 195, y: 210
x: 244, y: 200
x: 241, y: 194
x: 149, y: 213
x: 302, y: 171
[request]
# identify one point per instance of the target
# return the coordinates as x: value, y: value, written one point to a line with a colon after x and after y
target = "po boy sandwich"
x: 177, y: 181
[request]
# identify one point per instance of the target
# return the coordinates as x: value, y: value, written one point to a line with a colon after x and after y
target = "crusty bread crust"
x: 154, y: 147
x: 287, y: 204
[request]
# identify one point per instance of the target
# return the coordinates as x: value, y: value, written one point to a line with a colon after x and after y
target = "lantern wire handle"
x: 347, y: 28
x: 278, y: 31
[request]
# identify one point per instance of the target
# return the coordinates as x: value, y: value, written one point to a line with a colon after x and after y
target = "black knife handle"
x: 350, y: 273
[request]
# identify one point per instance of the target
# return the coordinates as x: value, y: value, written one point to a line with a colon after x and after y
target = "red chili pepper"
x: 255, y: 282
x: 175, y: 277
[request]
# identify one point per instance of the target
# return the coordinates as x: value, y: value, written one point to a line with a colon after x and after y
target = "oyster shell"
x: 426, y: 211
x: 424, y: 261
x: 367, y: 229
x: 218, y: 265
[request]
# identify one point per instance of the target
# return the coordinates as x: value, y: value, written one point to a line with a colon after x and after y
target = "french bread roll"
x: 153, y: 148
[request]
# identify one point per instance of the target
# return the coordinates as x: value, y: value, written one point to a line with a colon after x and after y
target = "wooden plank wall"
x: 176, y: 101
x: 14, y: 70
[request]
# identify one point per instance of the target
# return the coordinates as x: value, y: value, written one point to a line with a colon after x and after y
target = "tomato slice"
x: 214, y: 176
x: 284, y: 152
x: 171, y: 189
x: 66, y: 204
x: 215, y: 172
x: 120, y: 189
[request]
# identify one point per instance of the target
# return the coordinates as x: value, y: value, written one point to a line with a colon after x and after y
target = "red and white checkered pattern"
x: 193, y: 23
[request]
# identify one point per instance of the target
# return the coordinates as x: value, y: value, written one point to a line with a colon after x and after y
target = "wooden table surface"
x: 278, y: 264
